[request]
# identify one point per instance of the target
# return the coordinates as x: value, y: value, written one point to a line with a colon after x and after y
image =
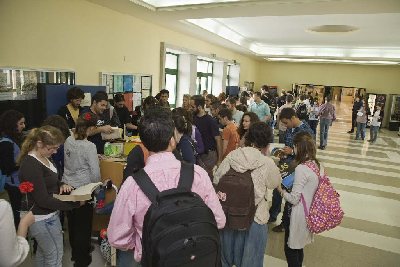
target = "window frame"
x: 174, y: 72
x: 206, y: 75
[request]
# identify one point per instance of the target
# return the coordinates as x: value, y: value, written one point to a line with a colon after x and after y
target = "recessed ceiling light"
x: 332, y: 29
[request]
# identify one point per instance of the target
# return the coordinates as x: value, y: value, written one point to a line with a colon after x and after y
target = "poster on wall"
x: 146, y: 82
x: 118, y: 84
x: 128, y: 83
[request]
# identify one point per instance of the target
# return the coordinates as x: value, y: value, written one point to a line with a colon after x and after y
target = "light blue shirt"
x: 237, y: 116
x: 261, y: 109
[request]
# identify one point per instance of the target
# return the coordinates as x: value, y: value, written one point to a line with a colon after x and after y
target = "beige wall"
x: 85, y: 37
x: 377, y: 79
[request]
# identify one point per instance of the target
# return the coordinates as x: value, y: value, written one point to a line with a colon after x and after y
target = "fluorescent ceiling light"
x: 323, y: 60
x: 169, y: 3
x: 219, y: 29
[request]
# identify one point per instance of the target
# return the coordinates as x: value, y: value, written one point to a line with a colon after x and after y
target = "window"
x: 204, y: 76
x: 171, y: 76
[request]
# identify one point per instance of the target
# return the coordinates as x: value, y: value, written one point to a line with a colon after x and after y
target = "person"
x: 297, y: 235
x: 361, y: 121
x: 36, y: 168
x: 221, y: 97
x: 71, y: 111
x: 375, y: 123
x: 186, y: 102
x: 270, y: 100
x: 281, y: 125
x: 313, y: 115
x: 209, y: 98
x: 247, y: 247
x: 356, y: 106
x: 327, y: 114
x: 230, y: 136
x: 209, y: 130
x: 195, y: 133
x: 12, y: 123
x: 97, y: 109
x: 247, y: 120
x: 294, y: 126
x: 204, y: 93
x: 164, y: 95
x: 260, y: 108
x: 214, y: 110
x: 236, y: 114
x: 156, y: 131
x: 13, y: 245
x: 81, y: 168
x: 123, y: 115
x: 185, y: 145
x: 58, y: 157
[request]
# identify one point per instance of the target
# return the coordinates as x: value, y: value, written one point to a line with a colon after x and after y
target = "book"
x: 115, y: 134
x: 80, y: 194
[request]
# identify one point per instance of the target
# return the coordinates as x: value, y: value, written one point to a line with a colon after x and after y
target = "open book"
x: 80, y: 194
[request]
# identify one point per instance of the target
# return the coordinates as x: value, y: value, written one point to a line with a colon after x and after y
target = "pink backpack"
x: 325, y: 212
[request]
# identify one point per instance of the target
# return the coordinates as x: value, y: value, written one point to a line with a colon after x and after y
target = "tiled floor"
x: 368, y: 179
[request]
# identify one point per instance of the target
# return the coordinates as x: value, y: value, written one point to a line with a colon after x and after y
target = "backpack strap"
x: 146, y: 185
x: 186, y: 176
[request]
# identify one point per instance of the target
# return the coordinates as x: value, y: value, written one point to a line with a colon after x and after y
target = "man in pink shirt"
x: 156, y: 131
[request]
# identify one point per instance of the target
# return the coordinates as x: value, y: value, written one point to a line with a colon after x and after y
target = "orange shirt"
x: 231, y: 135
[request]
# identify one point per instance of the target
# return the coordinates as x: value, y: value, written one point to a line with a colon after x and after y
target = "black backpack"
x: 179, y: 229
x: 302, y: 112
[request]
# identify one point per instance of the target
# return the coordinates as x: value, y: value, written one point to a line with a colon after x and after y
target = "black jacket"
x: 64, y: 112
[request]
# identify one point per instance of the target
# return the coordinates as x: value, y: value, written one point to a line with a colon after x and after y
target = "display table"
x: 109, y: 169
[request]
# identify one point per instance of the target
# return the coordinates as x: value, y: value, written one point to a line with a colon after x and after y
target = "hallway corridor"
x: 368, y: 180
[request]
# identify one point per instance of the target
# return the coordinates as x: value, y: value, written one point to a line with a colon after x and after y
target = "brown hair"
x: 253, y: 118
x: 48, y: 135
x: 306, y: 149
x: 83, y: 124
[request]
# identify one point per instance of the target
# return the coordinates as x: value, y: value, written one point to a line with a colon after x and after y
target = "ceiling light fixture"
x: 340, y: 61
x: 171, y: 3
x: 332, y: 29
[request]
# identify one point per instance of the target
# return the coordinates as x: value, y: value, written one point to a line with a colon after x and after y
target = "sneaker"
x: 271, y: 220
x: 279, y: 229
x: 351, y: 131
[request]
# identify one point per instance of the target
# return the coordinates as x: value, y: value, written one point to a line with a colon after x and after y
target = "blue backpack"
x: 5, y: 178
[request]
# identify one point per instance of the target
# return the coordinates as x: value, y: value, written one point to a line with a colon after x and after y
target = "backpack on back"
x: 236, y: 194
x: 325, y: 212
x: 302, y: 112
x: 3, y: 177
x: 179, y: 229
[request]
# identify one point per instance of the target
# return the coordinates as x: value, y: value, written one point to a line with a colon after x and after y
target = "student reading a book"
x: 81, y: 168
x: 247, y: 120
x: 305, y: 184
x: 36, y: 168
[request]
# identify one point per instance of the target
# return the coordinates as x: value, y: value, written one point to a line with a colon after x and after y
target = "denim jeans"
x: 374, y: 133
x: 313, y: 125
x: 275, y: 208
x: 244, y: 248
x: 323, y: 131
x: 361, y: 130
x: 49, y: 237
x: 126, y: 259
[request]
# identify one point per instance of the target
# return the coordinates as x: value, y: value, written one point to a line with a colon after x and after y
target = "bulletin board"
x: 134, y: 86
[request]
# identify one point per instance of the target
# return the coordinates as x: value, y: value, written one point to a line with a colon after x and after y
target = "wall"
x: 88, y: 38
x: 376, y: 79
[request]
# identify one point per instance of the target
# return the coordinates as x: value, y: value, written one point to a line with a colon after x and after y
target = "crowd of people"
x: 217, y: 134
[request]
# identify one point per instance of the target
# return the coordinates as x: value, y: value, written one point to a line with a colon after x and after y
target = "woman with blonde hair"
x: 297, y: 235
x: 36, y: 168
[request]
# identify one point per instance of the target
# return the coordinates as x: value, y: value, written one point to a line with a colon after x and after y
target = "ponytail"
x: 48, y: 135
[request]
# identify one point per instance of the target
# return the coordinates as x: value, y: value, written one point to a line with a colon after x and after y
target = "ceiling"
x: 280, y: 30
